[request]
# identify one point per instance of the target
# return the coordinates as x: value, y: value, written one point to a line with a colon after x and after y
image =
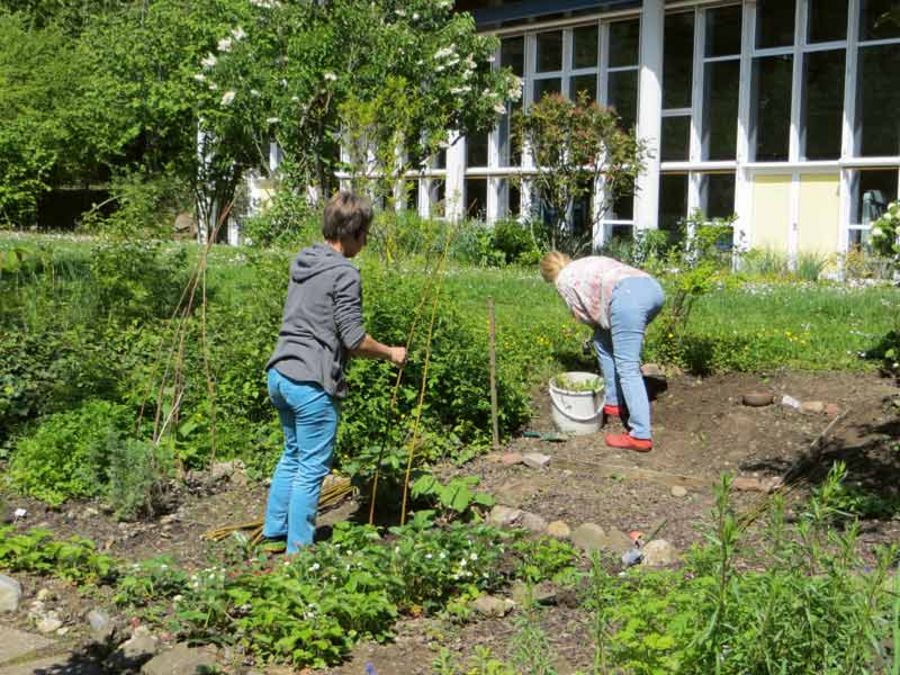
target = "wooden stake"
x: 492, y: 348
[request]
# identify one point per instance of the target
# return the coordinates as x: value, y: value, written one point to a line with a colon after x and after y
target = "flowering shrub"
x: 886, y: 232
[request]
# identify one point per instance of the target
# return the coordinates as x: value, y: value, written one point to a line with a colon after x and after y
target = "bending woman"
x: 619, y: 302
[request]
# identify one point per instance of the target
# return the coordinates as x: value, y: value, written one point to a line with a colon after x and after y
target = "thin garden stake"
x: 433, y: 282
x: 420, y: 405
x: 492, y: 349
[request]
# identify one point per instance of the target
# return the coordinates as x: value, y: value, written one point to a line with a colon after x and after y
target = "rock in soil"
x: 592, y: 537
x: 102, y: 625
x: 742, y: 484
x: 180, y: 660
x: 533, y: 522
x: 679, y: 491
x: 757, y: 399
x: 491, y: 605
x: 504, y: 516
x: 659, y: 553
x: 559, y: 529
x: 535, y: 460
x: 511, y: 458
x: 10, y: 594
x: 815, y: 407
x: 544, y: 593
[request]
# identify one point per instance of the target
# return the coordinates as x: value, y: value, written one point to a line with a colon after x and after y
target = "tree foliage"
x: 575, y: 145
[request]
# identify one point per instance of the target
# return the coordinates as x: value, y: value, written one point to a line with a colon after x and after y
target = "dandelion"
x: 314, y: 567
x: 228, y: 97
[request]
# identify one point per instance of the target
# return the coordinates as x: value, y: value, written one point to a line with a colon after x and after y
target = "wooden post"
x: 492, y: 349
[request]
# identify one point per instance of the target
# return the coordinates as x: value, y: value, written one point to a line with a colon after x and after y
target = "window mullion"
x: 849, y: 141
x: 696, y: 150
x: 796, y: 134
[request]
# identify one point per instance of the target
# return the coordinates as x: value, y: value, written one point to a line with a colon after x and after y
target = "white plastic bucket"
x: 577, y: 412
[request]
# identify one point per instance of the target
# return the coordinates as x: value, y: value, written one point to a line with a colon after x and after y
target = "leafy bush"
x: 37, y: 552
x: 287, y: 220
x: 137, y: 477
x: 516, y: 242
x: 804, y: 602
x: 65, y: 457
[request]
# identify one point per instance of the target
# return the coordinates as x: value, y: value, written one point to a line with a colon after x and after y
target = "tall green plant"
x: 574, y: 145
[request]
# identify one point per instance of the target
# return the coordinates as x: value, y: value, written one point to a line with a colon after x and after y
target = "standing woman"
x: 321, y: 329
x: 619, y: 302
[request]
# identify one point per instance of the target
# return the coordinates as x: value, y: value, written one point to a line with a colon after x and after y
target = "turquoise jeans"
x: 635, y: 303
x: 309, y: 419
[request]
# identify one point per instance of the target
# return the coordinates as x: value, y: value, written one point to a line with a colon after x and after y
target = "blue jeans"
x: 635, y: 302
x: 309, y: 419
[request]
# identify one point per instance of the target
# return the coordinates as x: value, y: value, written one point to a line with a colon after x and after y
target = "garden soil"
x: 701, y: 430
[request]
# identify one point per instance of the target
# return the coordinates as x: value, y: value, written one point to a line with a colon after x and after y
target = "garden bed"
x: 701, y: 430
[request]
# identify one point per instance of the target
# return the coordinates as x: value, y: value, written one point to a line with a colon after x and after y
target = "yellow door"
x: 771, y: 212
x: 819, y: 222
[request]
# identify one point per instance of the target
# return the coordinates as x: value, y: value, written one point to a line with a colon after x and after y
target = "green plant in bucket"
x: 566, y: 382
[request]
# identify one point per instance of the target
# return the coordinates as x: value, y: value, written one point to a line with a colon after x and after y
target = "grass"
x: 753, y: 326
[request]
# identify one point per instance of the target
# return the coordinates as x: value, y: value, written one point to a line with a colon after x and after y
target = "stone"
x: 653, y: 370
x: 535, y: 460
x: 659, y: 553
x: 742, y: 484
x: 169, y: 519
x: 533, y: 522
x: 559, y: 529
x: 816, y: 407
x: 10, y: 594
x: 511, y: 458
x: 90, y: 512
x: 544, y: 593
x: 49, y: 623
x: 592, y: 537
x: 504, y: 516
x: 491, y: 605
x: 17, y: 645
x: 45, y: 594
x: 139, y: 646
x: 757, y: 399
x: 832, y: 409
x: 102, y: 625
x: 180, y: 660
x: 790, y: 402
x: 679, y: 491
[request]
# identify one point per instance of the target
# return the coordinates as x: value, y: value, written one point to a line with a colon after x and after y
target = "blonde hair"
x: 551, y: 265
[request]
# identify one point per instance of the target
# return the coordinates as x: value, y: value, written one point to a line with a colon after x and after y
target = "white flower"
x: 500, y: 108
x: 461, y: 90
x: 400, y: 12
x: 177, y: 598
x: 272, y: 120
x: 415, y: 16
x: 200, y: 77
x: 444, y: 52
x: 213, y: 86
x: 330, y: 77
x: 314, y: 567
x: 209, y: 61
x: 224, y: 45
x: 238, y: 33
x: 254, y: 93
x: 228, y: 97
x: 427, y: 556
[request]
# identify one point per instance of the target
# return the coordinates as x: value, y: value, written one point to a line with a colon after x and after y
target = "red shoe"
x: 628, y: 442
x: 612, y: 411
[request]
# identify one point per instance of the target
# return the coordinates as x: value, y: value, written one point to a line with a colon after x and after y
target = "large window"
x: 823, y: 104
x: 622, y: 74
x: 677, y: 86
x: 771, y: 123
x: 878, y: 100
x: 721, y: 83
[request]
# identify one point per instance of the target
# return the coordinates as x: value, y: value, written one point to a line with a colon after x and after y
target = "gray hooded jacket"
x: 322, y: 320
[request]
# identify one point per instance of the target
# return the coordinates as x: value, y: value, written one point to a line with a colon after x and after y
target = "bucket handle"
x: 554, y: 397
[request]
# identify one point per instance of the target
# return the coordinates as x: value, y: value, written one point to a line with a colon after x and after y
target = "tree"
x: 575, y: 145
x: 389, y: 78
x: 37, y: 87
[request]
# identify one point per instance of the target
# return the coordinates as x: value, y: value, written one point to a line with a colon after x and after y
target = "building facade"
x: 785, y: 113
